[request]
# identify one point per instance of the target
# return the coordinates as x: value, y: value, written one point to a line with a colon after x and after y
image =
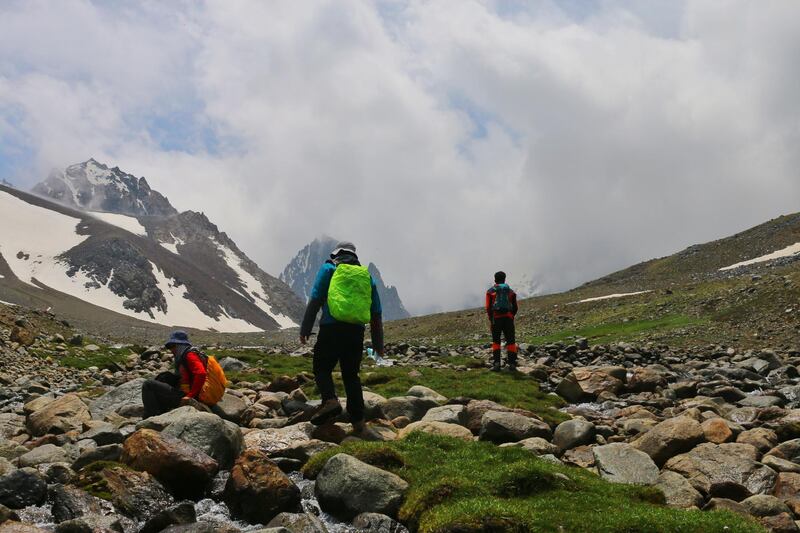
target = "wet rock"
x: 669, y: 438
x: 218, y: 438
x: 257, y: 490
x: 183, y: 513
x: 622, y: 463
x: 183, y: 468
x: 677, y: 490
x: 296, y: 523
x: 717, y: 471
x: 127, y: 395
x: 347, y: 487
x: 436, y: 428
x: 70, y: 502
x: 572, y: 433
x: 67, y: 413
x: 136, y: 494
x: 22, y: 488
x: 378, y: 523
x: 500, y: 427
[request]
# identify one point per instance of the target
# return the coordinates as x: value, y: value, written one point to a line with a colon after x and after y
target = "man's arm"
x: 319, y: 292
x: 514, y: 307
x: 198, y: 372
x: 489, y: 298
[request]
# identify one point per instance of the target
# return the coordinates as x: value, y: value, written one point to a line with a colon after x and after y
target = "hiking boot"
x: 359, y: 428
x: 329, y: 410
x: 512, y: 367
x: 495, y: 367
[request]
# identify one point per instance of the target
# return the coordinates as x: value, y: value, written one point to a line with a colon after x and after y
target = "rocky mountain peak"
x: 93, y: 186
x: 301, y: 271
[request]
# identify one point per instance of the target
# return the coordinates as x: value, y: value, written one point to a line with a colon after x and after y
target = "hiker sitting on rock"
x: 349, y: 299
x: 197, y: 378
x: 501, y: 306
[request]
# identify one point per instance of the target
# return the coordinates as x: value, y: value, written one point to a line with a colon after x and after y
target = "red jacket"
x: 490, y: 296
x: 193, y: 374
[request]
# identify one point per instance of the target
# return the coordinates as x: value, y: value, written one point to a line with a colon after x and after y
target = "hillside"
x: 691, y: 297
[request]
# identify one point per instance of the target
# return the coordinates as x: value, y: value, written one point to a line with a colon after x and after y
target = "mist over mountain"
x: 301, y: 271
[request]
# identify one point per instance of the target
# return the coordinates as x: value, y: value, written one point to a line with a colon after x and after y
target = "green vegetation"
x: 614, y: 332
x: 475, y: 486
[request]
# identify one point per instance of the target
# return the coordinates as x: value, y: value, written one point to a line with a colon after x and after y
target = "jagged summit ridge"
x: 300, y: 272
x: 93, y: 186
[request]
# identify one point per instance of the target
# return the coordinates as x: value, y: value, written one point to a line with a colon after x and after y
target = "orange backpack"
x: 214, y: 387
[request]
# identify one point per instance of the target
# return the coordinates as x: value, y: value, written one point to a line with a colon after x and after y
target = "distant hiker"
x: 349, y: 299
x: 197, y: 378
x: 501, y: 306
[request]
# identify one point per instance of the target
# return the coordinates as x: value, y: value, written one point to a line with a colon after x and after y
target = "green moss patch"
x: 457, y: 486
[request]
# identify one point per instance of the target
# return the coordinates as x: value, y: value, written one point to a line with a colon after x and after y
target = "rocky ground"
x: 713, y: 428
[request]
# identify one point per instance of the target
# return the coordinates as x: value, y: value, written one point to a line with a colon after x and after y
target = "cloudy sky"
x: 447, y: 138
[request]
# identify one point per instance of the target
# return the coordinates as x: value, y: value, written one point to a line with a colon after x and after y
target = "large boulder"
x: 135, y: 494
x: 449, y: 414
x: 720, y: 470
x: 70, y: 502
x: 67, y: 413
x: 218, y: 438
x: 678, y: 492
x: 586, y: 383
x: 409, y: 406
x: 622, y: 463
x: 572, y: 433
x: 346, y: 487
x: 669, y: 438
x: 181, y: 467
x: 230, y: 407
x: 257, y: 490
x: 477, y: 408
x: 48, y: 453
x: 274, y: 441
x: 22, y: 488
x: 501, y: 426
x: 128, y: 395
x: 436, y: 428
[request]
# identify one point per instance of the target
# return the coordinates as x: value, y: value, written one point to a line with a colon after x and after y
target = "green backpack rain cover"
x: 350, y: 294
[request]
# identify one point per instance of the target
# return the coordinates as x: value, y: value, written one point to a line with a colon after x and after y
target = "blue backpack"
x: 502, y: 299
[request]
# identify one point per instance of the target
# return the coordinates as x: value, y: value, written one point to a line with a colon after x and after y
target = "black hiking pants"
x: 343, y: 344
x: 504, y: 327
x: 159, y: 397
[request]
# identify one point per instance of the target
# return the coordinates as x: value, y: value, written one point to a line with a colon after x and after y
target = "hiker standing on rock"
x: 501, y: 306
x: 349, y: 299
x: 197, y: 378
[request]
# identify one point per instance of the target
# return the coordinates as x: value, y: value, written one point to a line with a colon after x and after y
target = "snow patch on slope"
x: 172, y: 246
x: 125, y: 222
x: 610, y: 296
x: 253, y: 287
x: 789, y: 251
x: 40, y: 236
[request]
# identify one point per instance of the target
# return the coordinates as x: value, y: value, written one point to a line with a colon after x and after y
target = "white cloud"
x: 447, y: 139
